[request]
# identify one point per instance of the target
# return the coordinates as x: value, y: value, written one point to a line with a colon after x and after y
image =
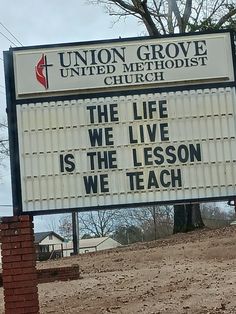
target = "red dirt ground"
x: 192, y: 273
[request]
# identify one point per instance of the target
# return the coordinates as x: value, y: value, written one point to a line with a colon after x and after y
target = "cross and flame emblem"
x: 41, y: 71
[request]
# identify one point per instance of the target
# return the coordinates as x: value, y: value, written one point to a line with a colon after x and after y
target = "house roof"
x: 88, y: 243
x: 93, y: 242
x: 40, y: 236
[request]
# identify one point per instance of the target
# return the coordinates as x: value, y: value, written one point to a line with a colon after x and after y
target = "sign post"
x: 75, y: 231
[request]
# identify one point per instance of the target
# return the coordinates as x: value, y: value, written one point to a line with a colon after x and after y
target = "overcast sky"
x: 49, y: 22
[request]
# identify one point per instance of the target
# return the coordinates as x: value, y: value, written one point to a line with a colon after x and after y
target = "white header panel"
x: 127, y: 149
x: 201, y: 58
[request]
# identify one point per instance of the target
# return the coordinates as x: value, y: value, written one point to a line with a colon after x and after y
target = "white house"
x: 48, y: 245
x: 91, y: 245
x: 51, y: 245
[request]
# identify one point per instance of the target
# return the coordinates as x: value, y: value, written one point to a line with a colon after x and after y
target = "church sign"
x: 123, y: 122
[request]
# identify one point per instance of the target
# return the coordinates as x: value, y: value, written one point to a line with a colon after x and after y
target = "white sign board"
x: 128, y: 150
x: 121, y: 64
x: 122, y: 123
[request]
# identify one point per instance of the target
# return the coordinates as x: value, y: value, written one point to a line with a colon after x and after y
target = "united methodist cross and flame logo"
x: 41, y: 71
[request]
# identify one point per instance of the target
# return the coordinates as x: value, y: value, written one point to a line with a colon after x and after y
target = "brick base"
x: 19, y: 275
x: 58, y: 274
x: 55, y: 274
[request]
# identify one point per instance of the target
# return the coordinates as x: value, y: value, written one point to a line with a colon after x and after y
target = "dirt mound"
x: 192, y: 273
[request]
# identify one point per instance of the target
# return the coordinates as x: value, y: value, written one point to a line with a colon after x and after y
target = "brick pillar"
x: 19, y: 265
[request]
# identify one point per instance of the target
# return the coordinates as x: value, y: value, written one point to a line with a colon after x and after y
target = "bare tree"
x: 128, y: 234
x: 154, y: 221
x: 215, y: 216
x: 99, y: 223
x: 65, y: 227
x: 53, y: 222
x: 4, y: 148
x: 161, y: 220
x: 172, y: 16
x: 91, y: 224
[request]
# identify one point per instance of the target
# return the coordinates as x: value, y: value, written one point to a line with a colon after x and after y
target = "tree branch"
x: 170, y: 19
x: 150, y: 25
x: 159, y: 16
x: 216, y: 7
x: 187, y: 14
x: 225, y: 18
x: 125, y: 5
x: 176, y: 11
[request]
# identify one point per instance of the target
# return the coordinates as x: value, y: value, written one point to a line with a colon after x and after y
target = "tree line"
x: 132, y: 225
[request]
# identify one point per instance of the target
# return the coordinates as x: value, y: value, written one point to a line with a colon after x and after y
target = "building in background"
x: 49, y: 245
x: 91, y: 245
